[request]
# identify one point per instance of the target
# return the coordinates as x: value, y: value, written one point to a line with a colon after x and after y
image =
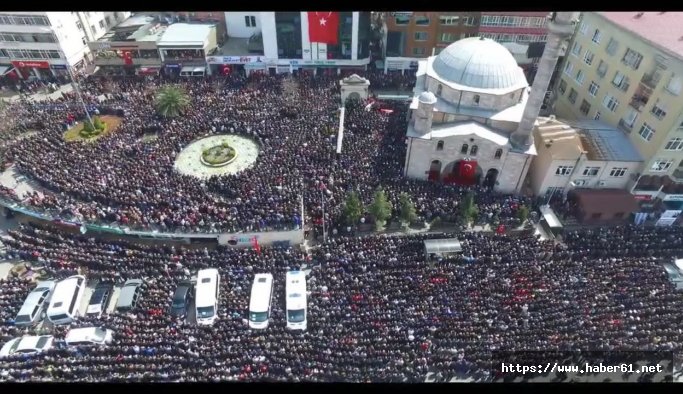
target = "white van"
x: 66, y: 299
x: 296, y: 300
x: 190, y: 71
x: 34, y: 305
x: 260, y: 301
x: 206, y: 296
x: 89, y: 336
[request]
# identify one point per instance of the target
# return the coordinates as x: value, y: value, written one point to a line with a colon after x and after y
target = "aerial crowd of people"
x: 130, y: 181
x: 378, y: 310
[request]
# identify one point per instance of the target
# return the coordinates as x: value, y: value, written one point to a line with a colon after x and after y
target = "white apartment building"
x: 278, y: 42
x: 36, y: 45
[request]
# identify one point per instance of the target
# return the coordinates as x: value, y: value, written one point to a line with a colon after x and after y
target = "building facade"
x: 279, y: 42
x: 38, y: 45
x: 627, y: 70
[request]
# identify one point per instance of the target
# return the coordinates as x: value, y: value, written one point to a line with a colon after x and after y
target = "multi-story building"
x: 36, y: 45
x: 519, y: 27
x: 279, y: 42
x: 411, y: 36
x: 626, y: 68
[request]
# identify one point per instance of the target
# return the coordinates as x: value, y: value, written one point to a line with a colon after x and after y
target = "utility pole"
x: 74, y: 85
x: 322, y: 198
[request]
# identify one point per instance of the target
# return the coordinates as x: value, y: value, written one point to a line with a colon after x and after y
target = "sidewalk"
x: 40, y: 95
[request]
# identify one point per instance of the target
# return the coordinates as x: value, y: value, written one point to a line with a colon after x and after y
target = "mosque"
x: 473, y: 113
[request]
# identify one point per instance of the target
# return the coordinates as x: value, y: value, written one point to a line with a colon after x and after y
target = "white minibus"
x: 296, y: 300
x: 66, y: 300
x: 260, y: 300
x: 206, y: 296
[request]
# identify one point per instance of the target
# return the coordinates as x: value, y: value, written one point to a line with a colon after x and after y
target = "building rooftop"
x: 560, y: 139
x: 136, y: 20
x: 605, y: 142
x: 478, y: 63
x: 662, y: 29
x: 186, y: 34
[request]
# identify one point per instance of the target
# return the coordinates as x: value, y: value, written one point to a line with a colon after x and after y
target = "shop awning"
x: 444, y: 245
x: 149, y: 70
x: 550, y: 217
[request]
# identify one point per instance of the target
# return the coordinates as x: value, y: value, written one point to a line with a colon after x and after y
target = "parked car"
x: 130, y: 294
x: 89, y: 336
x: 27, y: 345
x: 33, y: 309
x: 181, y: 299
x: 99, y: 300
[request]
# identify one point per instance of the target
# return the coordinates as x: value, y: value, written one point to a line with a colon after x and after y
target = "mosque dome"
x: 479, y: 63
x: 427, y: 98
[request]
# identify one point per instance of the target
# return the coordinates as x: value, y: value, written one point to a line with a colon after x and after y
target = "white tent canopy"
x: 442, y: 246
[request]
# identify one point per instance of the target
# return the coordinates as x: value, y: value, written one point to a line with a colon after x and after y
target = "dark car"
x: 181, y: 299
x: 99, y: 300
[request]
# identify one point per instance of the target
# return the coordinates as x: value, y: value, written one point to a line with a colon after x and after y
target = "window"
x: 107, y: 20
x: 562, y: 87
x: 499, y: 154
x: 632, y: 58
x: 602, y: 69
x: 661, y: 165
x: 596, y: 36
x: 464, y: 149
x: 646, y: 132
x: 475, y: 99
x: 93, y: 29
x: 402, y: 20
x: 612, y: 46
x: 564, y: 170
x: 597, y: 115
x: 588, y: 57
x: 610, y: 102
x: 583, y: 28
x: 618, y: 172
x: 419, y: 51
x: 253, y: 21
x: 79, y: 25
x: 659, y: 110
x: 631, y: 117
x: 585, y: 107
x: 422, y: 21
x: 591, y: 171
x: 621, y: 81
x: 250, y: 21
x: 576, y: 49
x: 568, y: 68
x: 573, y: 94
x: 101, y: 24
x: 449, y: 20
x: 675, y: 84
x: 593, y: 89
x: 439, y: 90
x: 474, y: 150
x: 448, y: 37
x: 439, y: 145
x: 83, y: 41
x: 470, y: 21
x: 421, y: 36
x: 674, y: 144
x: 580, y: 76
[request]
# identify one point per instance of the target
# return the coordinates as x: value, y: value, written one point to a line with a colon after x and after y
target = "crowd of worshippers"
x: 124, y: 179
x: 378, y: 309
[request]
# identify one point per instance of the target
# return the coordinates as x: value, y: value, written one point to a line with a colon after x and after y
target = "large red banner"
x: 467, y: 168
x: 31, y: 63
x: 323, y: 27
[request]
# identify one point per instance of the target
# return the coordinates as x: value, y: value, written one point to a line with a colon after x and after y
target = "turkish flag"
x: 128, y: 58
x: 256, y: 245
x: 467, y: 168
x: 323, y: 27
x: 500, y: 229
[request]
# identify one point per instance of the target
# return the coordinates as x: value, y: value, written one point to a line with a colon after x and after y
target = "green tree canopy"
x: 381, y: 208
x: 468, y: 209
x: 353, y: 209
x: 523, y: 213
x: 171, y: 101
x: 408, y: 214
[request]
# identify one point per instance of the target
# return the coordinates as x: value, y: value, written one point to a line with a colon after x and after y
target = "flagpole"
x: 74, y: 85
x: 322, y: 198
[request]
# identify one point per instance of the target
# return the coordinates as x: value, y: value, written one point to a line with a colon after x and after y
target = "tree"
x: 171, y: 101
x: 97, y: 122
x: 407, y: 207
x: 88, y: 127
x: 523, y: 213
x: 380, y: 209
x: 353, y: 209
x: 468, y: 209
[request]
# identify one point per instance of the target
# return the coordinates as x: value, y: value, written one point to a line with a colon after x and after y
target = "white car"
x: 89, y: 336
x: 27, y: 345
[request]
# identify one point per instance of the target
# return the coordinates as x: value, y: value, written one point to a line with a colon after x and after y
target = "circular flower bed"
x: 219, y: 155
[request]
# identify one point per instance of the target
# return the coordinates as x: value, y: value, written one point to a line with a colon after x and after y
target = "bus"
x: 206, y: 296
x: 260, y: 300
x: 66, y: 300
x: 296, y: 300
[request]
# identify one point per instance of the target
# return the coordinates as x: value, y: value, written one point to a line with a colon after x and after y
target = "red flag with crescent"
x: 128, y: 58
x: 467, y: 168
x: 257, y: 247
x: 323, y: 27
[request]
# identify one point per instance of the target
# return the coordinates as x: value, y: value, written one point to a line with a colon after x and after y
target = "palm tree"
x: 171, y: 101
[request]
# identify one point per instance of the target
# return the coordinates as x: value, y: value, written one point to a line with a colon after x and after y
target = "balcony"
x: 117, y: 61
x: 641, y: 97
x: 625, y: 126
x: 678, y: 174
x: 651, y: 80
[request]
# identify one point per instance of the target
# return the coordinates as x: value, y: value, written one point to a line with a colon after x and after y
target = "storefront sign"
x: 673, y: 197
x: 173, y: 65
x: 402, y: 14
x: 233, y: 59
x: 30, y: 63
x: 670, y: 214
x: 58, y: 66
x: 642, y: 197
x: 313, y: 63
